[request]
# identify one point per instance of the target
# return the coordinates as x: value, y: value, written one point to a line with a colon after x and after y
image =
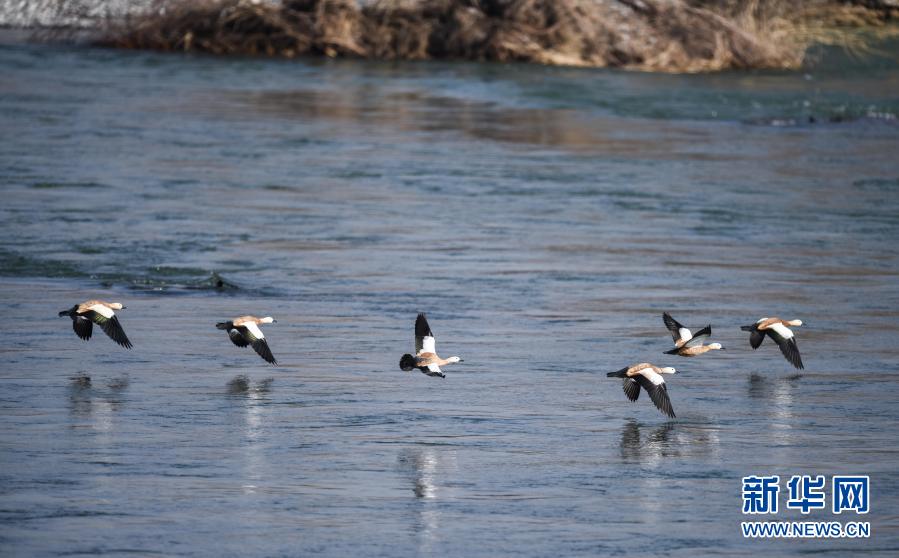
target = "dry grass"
x: 658, y: 35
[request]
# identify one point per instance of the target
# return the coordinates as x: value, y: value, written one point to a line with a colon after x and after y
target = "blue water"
x: 543, y: 217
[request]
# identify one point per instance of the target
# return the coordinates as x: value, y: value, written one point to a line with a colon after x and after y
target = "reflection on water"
x: 647, y: 444
x: 423, y: 467
x: 777, y: 394
x: 421, y: 112
x: 758, y: 387
x: 96, y: 405
x: 420, y: 464
x: 241, y: 385
x: 253, y: 413
x: 652, y: 445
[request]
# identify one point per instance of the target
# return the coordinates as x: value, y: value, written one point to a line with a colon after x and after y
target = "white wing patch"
x: 685, y: 334
x: 433, y: 367
x: 650, y: 375
x: 102, y: 310
x: 429, y: 345
x: 254, y: 330
x: 782, y: 330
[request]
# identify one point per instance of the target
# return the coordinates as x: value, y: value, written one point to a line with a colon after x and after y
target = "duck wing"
x: 678, y: 332
x: 434, y: 371
x: 756, y: 338
x: 237, y: 337
x: 654, y: 384
x: 631, y: 388
x: 83, y: 327
x: 784, y: 338
x: 699, y: 337
x: 257, y: 340
x: 261, y: 348
x: 424, y: 339
x: 110, y: 326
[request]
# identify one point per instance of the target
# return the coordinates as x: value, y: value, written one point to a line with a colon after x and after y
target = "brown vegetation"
x: 659, y: 35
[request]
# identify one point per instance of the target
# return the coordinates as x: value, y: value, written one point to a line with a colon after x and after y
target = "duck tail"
x: 618, y: 373
x: 407, y: 362
x: 224, y: 325
x: 70, y: 312
x: 748, y: 328
x: 672, y: 352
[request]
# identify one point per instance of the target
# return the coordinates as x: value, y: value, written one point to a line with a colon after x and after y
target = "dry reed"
x: 657, y: 35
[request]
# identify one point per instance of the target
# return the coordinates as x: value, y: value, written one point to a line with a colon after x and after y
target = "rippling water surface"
x: 544, y: 218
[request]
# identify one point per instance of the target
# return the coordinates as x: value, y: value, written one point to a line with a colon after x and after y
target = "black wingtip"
x: 707, y: 330
x: 672, y: 324
x: 666, y: 407
x: 422, y: 329
x: 113, y: 329
x: 262, y: 349
x: 796, y: 361
x: 789, y: 348
x: 124, y: 341
x: 120, y: 336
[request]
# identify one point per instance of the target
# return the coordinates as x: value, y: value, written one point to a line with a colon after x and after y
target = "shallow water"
x: 543, y: 217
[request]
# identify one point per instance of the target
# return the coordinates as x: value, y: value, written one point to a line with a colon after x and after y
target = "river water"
x: 543, y: 217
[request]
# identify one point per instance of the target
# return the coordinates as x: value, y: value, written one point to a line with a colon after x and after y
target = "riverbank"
x: 649, y: 35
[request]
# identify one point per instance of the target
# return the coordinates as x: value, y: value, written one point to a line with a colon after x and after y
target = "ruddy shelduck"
x: 649, y: 377
x: 245, y: 331
x: 98, y: 312
x: 426, y: 358
x: 687, y: 343
x: 779, y: 331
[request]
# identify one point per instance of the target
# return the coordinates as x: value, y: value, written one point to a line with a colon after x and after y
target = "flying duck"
x: 91, y: 312
x: 425, y: 358
x: 650, y: 378
x: 245, y: 331
x: 685, y: 342
x: 781, y: 334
